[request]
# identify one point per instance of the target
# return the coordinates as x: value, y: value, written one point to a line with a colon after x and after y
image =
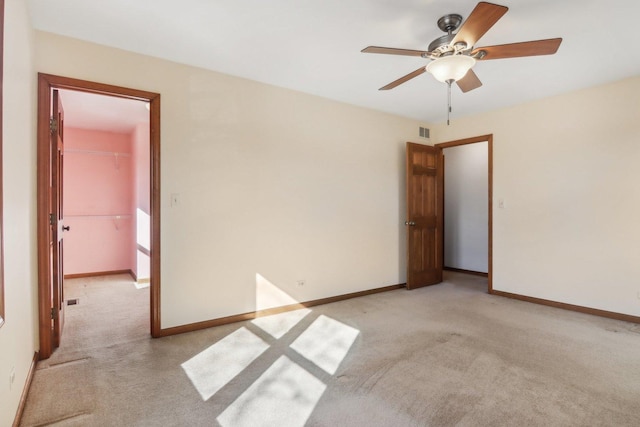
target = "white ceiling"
x: 100, y: 112
x: 314, y: 45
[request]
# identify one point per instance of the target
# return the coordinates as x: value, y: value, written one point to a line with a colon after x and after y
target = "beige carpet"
x: 439, y: 356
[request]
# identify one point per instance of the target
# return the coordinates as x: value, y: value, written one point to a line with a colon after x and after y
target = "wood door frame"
x: 2, y: 304
x: 489, y: 139
x: 46, y: 83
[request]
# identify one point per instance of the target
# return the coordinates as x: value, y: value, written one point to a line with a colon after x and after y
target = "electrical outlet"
x: 12, y: 377
x: 301, y: 282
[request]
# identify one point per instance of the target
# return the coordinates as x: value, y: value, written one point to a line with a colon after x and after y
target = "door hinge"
x: 53, y: 125
x: 52, y: 219
x: 53, y: 312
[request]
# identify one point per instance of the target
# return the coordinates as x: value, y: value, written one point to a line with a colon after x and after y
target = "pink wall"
x: 98, y: 202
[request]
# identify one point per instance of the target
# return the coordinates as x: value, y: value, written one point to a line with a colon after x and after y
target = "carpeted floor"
x: 439, y: 356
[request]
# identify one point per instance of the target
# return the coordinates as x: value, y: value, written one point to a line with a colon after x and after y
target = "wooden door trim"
x: 473, y: 140
x: 47, y: 82
x: 2, y: 304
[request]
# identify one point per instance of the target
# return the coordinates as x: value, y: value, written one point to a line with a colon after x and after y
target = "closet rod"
x: 99, y: 153
x: 125, y: 216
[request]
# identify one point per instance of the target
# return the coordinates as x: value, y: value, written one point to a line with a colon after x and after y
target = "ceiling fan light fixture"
x: 452, y: 67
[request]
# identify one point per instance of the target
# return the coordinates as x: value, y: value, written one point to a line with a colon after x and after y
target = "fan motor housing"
x: 441, y: 44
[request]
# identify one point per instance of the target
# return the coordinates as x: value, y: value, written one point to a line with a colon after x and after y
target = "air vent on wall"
x: 424, y: 132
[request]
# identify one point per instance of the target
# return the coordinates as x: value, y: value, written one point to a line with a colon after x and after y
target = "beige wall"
x: 18, y: 336
x: 271, y: 183
x: 568, y: 171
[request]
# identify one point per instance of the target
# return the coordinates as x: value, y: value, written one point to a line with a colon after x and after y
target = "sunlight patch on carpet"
x: 284, y: 395
x: 213, y: 368
x: 325, y: 343
x: 279, y: 324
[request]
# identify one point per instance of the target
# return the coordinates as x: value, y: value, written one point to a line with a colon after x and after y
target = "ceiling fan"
x: 453, y: 55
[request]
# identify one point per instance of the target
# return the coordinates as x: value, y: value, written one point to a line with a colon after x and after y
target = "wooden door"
x: 425, y: 213
x: 56, y: 218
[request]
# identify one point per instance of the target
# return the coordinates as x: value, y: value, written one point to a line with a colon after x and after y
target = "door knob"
x: 66, y: 227
x: 411, y: 223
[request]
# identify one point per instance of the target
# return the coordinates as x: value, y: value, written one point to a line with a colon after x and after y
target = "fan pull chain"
x: 448, y: 100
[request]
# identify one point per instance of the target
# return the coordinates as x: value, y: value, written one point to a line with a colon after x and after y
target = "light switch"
x: 174, y: 199
x: 501, y: 203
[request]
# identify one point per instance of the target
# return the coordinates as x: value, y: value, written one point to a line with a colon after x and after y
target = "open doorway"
x: 108, y: 222
x: 106, y: 205
x: 106, y: 186
x: 468, y: 211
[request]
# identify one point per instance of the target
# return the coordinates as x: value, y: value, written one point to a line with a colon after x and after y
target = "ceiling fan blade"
x: 406, y: 78
x: 478, y: 23
x: 469, y: 82
x: 515, y: 50
x: 394, y: 51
